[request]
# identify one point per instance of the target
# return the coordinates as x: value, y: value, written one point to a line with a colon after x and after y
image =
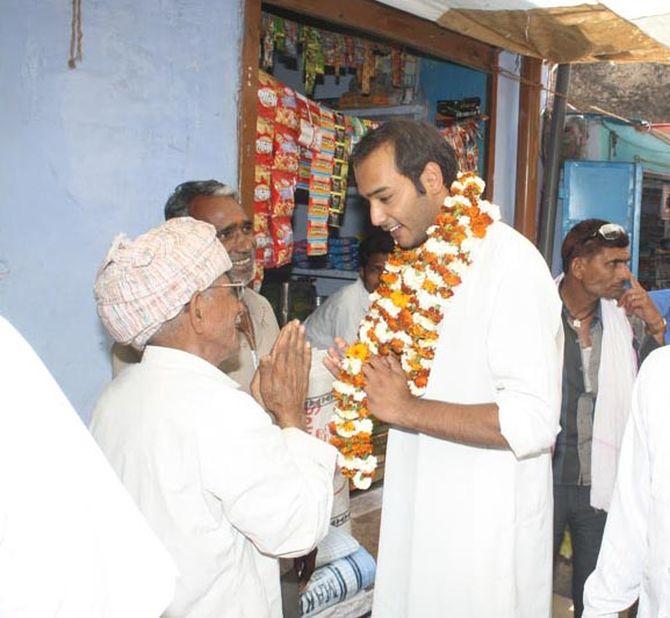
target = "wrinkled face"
x: 223, y: 317
x: 395, y: 204
x: 371, y: 271
x: 604, y: 274
x: 233, y: 228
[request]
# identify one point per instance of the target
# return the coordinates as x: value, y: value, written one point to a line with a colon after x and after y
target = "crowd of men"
x: 200, y: 476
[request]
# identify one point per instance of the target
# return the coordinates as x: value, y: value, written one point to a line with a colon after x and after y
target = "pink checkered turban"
x: 145, y: 282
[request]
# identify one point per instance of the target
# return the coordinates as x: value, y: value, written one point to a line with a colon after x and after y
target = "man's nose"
x: 242, y: 242
x: 624, y: 272
x: 377, y: 214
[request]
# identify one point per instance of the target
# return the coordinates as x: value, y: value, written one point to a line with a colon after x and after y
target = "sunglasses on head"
x: 607, y: 231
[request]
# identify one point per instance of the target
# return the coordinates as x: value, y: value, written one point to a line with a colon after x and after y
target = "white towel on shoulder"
x: 616, y: 374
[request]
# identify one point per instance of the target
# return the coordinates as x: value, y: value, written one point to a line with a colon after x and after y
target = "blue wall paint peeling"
x: 88, y: 153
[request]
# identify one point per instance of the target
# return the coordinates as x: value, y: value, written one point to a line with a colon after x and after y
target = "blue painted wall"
x: 88, y: 153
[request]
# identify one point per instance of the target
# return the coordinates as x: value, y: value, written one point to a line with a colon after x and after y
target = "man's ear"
x: 577, y: 267
x: 197, y: 312
x: 432, y: 179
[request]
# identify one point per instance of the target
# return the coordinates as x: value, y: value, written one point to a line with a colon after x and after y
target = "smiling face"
x: 233, y: 228
x: 395, y: 203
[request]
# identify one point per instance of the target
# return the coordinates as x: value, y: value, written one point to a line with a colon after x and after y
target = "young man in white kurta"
x: 467, y: 531
x: 224, y: 488
x: 466, y: 517
x: 635, y: 554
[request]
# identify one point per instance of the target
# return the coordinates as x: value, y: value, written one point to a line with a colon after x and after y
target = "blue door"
x: 603, y: 190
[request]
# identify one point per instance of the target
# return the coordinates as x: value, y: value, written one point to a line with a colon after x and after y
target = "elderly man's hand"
x: 386, y: 387
x: 284, y: 376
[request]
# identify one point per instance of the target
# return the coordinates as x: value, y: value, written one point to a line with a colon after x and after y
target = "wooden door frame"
x: 528, y: 149
x: 372, y: 18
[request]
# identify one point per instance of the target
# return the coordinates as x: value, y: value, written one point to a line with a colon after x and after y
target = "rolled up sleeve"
x: 525, y: 346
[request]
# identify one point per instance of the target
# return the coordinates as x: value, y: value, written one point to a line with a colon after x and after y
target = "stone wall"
x: 629, y: 90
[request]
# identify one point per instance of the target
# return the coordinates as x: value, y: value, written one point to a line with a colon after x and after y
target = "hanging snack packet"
x: 283, y: 194
x: 267, y: 96
x: 335, y: 219
x: 290, y: 38
x: 282, y: 239
x: 264, y: 245
x: 286, y: 153
x: 268, y: 41
x: 262, y: 192
x: 304, y: 169
x: 265, y: 132
x: 317, y: 237
x: 287, y: 113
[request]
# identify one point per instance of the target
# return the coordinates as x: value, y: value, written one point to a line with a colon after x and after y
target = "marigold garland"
x: 404, y: 317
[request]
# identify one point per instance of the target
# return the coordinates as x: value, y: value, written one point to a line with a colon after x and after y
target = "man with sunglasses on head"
x: 611, y: 325
x: 226, y: 490
x: 218, y: 204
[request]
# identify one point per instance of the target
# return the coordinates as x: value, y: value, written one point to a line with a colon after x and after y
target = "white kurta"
x: 72, y: 542
x: 634, y: 559
x: 466, y: 531
x: 339, y: 316
x: 222, y: 487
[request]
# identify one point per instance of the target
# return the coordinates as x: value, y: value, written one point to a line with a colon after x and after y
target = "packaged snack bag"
x: 282, y: 194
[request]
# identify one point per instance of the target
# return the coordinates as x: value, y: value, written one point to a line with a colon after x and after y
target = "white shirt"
x: 221, y: 486
x: 339, y: 316
x: 72, y: 542
x: 466, y: 531
x: 634, y: 558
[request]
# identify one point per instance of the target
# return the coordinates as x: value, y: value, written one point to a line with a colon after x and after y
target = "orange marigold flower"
x: 383, y: 290
x: 358, y: 350
x: 405, y: 318
x: 429, y: 286
x: 397, y: 345
x: 480, y: 224
x: 451, y: 279
x: 399, y: 299
x: 446, y: 219
x: 421, y: 380
x: 358, y: 380
x: 472, y: 212
x: 337, y: 442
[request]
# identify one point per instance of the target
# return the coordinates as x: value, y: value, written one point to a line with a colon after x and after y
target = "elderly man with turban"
x: 226, y: 490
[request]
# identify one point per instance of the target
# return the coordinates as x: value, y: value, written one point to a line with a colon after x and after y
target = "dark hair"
x: 379, y: 241
x: 415, y: 144
x: 178, y: 203
x: 584, y: 240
